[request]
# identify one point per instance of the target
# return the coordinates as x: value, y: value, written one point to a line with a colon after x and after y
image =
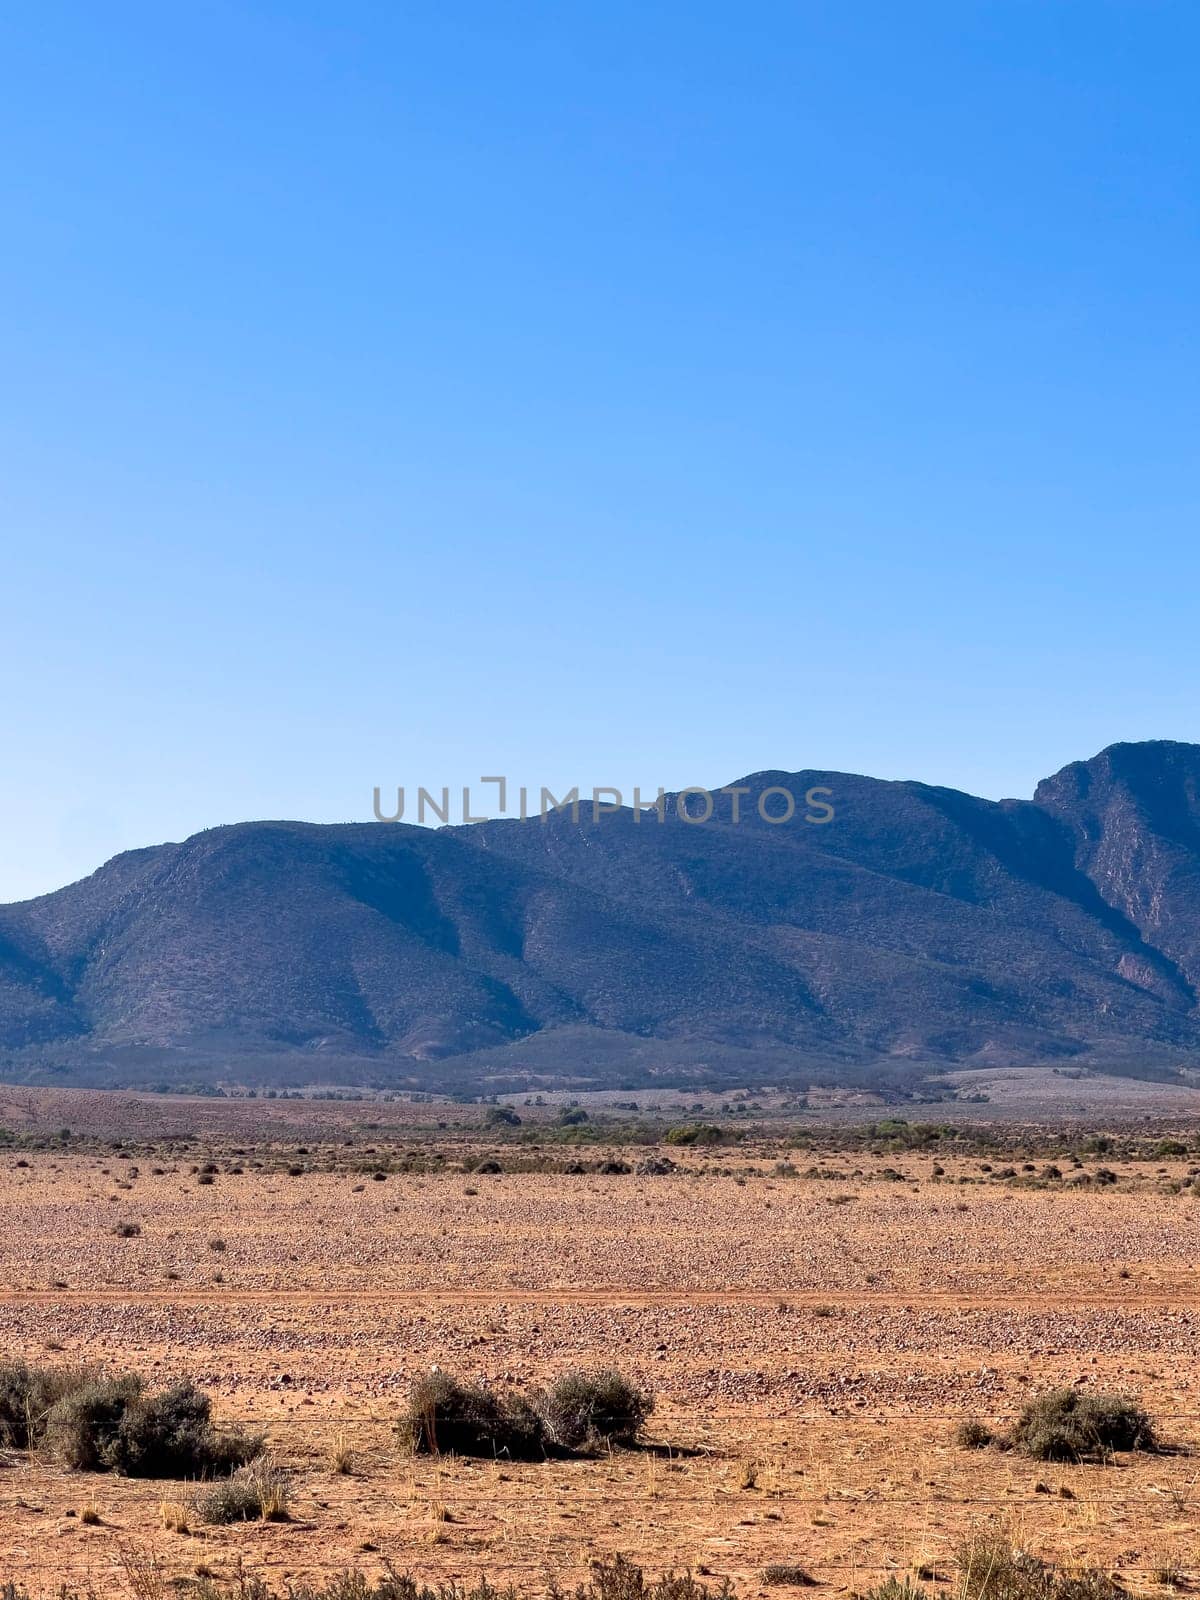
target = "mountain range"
x: 919, y: 928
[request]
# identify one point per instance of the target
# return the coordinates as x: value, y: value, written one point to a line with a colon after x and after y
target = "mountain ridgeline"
x: 921, y: 927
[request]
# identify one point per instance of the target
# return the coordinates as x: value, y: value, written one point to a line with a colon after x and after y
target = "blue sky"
x: 599, y: 393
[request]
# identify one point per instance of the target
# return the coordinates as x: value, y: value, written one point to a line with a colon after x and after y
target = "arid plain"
x: 814, y: 1316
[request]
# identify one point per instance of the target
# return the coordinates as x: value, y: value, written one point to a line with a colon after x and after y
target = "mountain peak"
x: 919, y: 927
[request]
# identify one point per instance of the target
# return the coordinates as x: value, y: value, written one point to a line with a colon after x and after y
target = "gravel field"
x: 812, y: 1343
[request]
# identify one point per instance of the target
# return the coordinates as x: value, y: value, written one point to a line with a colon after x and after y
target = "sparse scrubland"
x: 906, y: 1363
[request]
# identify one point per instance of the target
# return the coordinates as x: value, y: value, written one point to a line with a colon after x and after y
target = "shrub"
x: 580, y: 1411
x: 894, y: 1588
x: 111, y: 1425
x: 171, y: 1435
x: 794, y: 1577
x: 622, y: 1580
x: 1087, y: 1584
x: 81, y: 1428
x: 1082, y: 1425
x: 693, y: 1133
x: 973, y: 1435
x: 446, y: 1417
x: 255, y: 1493
x: 592, y: 1411
x: 991, y: 1567
x: 27, y: 1395
x: 609, y: 1580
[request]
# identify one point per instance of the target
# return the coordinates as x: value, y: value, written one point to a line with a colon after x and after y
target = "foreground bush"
x: 609, y: 1580
x: 593, y: 1411
x: 579, y: 1412
x: 991, y: 1567
x: 1082, y: 1425
x: 112, y: 1425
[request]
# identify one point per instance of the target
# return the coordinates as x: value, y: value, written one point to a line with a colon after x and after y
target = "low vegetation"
x: 1082, y: 1425
x: 258, y: 1492
x: 27, y: 1396
x: 609, y: 1580
x: 93, y: 1422
x: 1068, y: 1425
x: 594, y: 1411
x: 973, y: 1435
x: 448, y: 1417
x: 579, y: 1413
x: 990, y: 1566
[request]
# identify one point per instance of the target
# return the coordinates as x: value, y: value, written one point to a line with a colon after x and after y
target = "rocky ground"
x: 812, y: 1343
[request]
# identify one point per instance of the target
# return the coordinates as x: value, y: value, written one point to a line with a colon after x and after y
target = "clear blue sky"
x: 598, y: 392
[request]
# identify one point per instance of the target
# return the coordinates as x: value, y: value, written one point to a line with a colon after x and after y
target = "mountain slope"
x: 919, y: 926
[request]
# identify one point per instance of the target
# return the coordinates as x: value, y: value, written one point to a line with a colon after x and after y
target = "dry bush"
x: 594, y: 1410
x: 992, y: 1567
x: 791, y: 1576
x: 112, y: 1425
x: 176, y: 1518
x: 27, y: 1395
x: 1082, y: 1425
x: 255, y: 1493
x: 446, y: 1417
x: 972, y: 1434
x: 894, y: 1588
x: 614, y: 1580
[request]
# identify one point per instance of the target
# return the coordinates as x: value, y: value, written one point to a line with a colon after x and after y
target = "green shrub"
x: 580, y: 1411
x: 1082, y: 1425
x: 792, y: 1576
x: 594, y: 1410
x: 502, y: 1117
x: 171, y: 1435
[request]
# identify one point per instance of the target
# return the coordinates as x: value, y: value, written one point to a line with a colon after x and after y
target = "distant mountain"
x: 920, y: 927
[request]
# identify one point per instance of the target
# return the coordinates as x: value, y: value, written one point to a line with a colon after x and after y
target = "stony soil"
x: 812, y: 1344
